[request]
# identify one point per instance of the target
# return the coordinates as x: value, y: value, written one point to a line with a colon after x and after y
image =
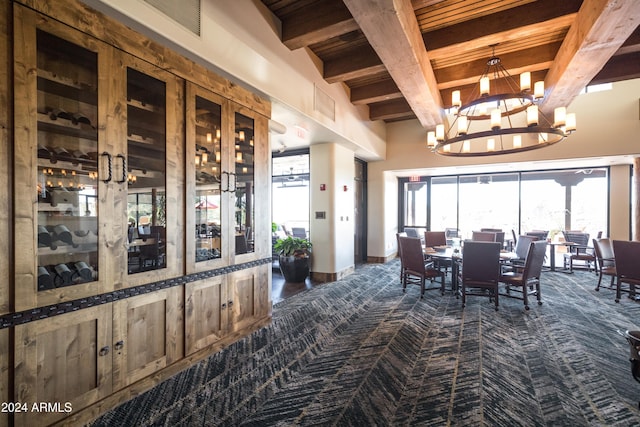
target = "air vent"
x: 184, y: 12
x: 324, y: 104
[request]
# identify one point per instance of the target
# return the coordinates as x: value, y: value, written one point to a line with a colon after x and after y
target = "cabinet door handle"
x: 123, y: 163
x: 104, y: 350
x: 118, y: 345
x: 108, y: 166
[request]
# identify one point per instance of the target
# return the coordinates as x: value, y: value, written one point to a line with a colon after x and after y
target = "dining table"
x: 552, y: 253
x: 454, y: 254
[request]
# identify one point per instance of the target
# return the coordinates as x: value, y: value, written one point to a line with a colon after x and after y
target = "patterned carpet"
x: 360, y: 352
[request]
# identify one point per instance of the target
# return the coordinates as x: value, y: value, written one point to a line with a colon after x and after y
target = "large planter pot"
x: 294, y: 269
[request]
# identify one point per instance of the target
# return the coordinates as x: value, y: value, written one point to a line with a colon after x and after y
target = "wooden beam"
x: 353, y: 63
x: 471, y: 91
x: 392, y: 29
x: 375, y: 92
x: 601, y: 27
x: 391, y: 110
x: 534, y: 59
x: 516, y: 22
x: 317, y: 22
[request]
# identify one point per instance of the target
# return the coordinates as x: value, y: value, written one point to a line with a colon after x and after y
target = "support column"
x: 332, y: 171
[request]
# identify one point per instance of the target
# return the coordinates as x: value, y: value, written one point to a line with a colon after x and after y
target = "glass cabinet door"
x: 207, y: 221
x: 150, y: 170
x: 243, y: 184
x: 57, y: 159
x: 67, y: 106
x: 146, y: 178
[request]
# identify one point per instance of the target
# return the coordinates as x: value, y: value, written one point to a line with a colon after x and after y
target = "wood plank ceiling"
x: 403, y: 58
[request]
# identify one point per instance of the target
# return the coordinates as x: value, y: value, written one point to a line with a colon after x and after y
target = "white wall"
x: 333, y: 166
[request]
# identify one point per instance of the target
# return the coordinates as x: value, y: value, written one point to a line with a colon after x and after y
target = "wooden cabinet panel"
x: 147, y: 334
x: 63, y: 360
x: 206, y: 312
x: 250, y: 296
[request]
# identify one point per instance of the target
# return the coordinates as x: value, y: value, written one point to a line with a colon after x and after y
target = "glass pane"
x: 146, y: 160
x: 244, y: 181
x: 207, y: 201
x: 488, y: 201
x: 67, y: 163
x: 415, y: 196
x: 444, y: 203
x: 588, y: 210
x: 290, y: 195
x: 543, y: 201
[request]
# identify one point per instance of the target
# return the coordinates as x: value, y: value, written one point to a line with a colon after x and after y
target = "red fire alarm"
x: 323, y: 187
x: 345, y: 188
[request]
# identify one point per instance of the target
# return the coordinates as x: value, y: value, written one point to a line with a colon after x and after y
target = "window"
x: 415, y: 194
x: 290, y: 194
x: 554, y: 201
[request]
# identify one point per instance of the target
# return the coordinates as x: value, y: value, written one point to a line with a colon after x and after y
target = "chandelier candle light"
x: 501, y: 122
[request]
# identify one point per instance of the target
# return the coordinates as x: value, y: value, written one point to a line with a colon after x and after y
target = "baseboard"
x: 318, y: 276
x: 381, y: 259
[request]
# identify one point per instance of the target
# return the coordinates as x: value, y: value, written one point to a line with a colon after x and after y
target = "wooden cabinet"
x: 58, y: 195
x: 65, y: 361
x: 99, y: 174
x: 147, y: 335
x: 131, y: 261
x: 223, y: 305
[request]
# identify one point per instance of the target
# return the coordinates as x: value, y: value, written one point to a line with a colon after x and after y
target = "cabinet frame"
x: 193, y: 91
x: 26, y: 22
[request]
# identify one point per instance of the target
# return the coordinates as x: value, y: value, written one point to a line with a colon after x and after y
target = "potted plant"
x: 294, y: 259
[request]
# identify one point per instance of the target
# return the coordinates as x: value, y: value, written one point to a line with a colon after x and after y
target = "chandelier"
x: 500, y: 118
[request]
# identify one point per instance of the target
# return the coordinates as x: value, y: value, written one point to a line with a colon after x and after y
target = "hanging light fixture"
x: 500, y: 118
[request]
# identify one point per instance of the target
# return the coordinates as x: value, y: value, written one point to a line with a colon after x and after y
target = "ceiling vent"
x: 184, y: 12
x: 324, y: 104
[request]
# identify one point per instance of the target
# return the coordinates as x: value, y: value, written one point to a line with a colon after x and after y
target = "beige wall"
x: 619, y: 202
x: 333, y: 166
x: 608, y: 125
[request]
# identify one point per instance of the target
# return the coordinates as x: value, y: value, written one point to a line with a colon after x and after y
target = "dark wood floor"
x: 281, y: 289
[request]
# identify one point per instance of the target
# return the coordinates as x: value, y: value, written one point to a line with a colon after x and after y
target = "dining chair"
x: 480, y: 270
x: 519, y: 256
x: 416, y: 271
x: 437, y: 238
x: 398, y: 235
x: 626, y: 255
x: 483, y: 236
x: 579, y: 251
x: 411, y: 232
x: 538, y: 234
x: 527, y: 281
x: 606, y: 261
